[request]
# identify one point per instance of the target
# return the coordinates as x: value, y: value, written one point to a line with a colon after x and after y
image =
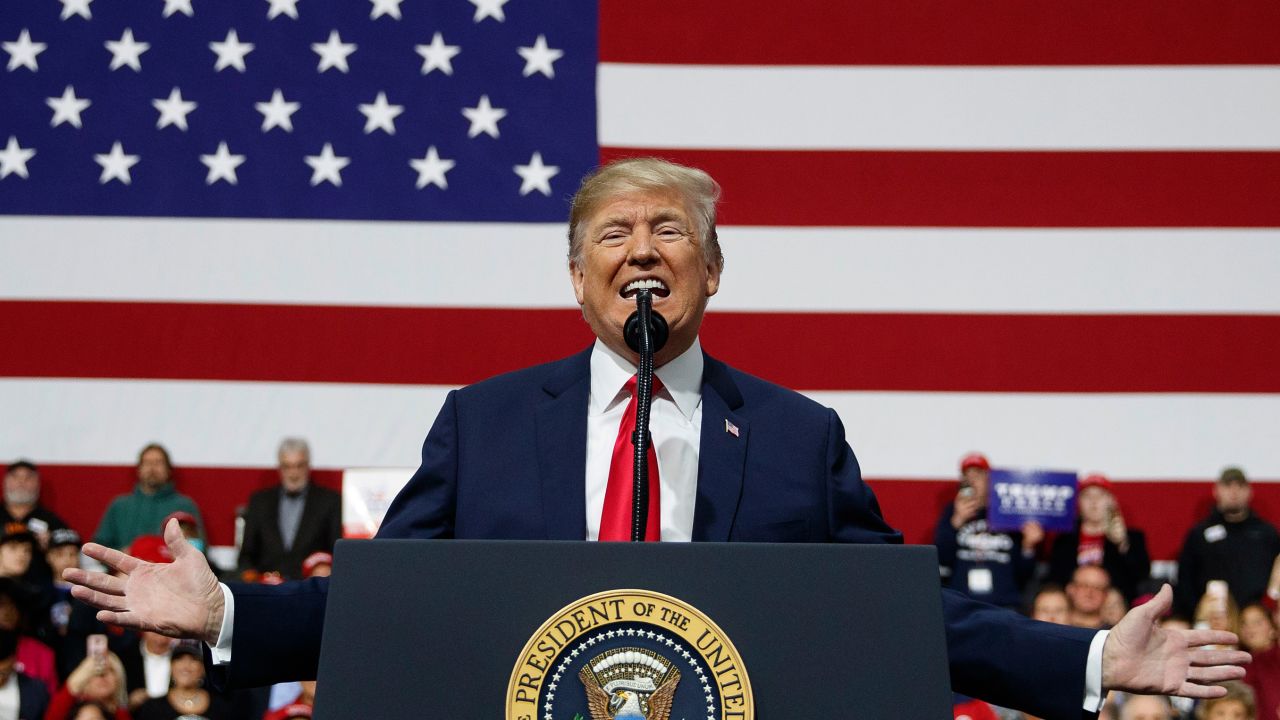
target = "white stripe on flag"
x: 915, y: 435
x: 522, y: 266
x: 679, y: 106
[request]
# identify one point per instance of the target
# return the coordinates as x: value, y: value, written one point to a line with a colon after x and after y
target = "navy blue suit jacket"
x: 505, y: 459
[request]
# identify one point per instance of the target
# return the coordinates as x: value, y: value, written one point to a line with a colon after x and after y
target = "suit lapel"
x: 722, y: 455
x: 562, y: 448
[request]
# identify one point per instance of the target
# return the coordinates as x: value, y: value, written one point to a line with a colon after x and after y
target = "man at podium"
x: 544, y: 453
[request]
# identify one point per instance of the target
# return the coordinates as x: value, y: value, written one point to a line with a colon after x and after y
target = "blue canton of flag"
x: 453, y: 110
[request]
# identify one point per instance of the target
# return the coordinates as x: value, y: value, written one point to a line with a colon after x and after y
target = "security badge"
x: 629, y: 655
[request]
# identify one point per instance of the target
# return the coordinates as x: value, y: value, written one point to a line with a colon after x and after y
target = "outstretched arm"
x: 179, y: 599
x: 1142, y: 657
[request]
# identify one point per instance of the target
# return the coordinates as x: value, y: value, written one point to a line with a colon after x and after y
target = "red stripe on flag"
x: 938, y: 32
x: 812, y: 351
x: 988, y: 189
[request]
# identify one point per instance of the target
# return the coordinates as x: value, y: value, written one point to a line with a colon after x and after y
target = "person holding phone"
x: 982, y: 563
x: 1101, y: 537
x: 98, y: 678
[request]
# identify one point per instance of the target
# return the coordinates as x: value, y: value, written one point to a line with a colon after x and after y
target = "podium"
x: 463, y: 629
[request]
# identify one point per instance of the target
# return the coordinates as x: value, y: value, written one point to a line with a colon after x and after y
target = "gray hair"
x: 294, y: 445
x: 608, y: 181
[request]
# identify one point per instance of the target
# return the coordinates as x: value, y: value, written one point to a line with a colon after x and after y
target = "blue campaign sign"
x: 1046, y: 496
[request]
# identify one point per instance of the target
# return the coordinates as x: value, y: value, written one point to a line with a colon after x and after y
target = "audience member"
x: 141, y: 511
x: 982, y: 563
x: 146, y: 667
x: 1101, y: 537
x: 1114, y: 607
x: 17, y: 549
x: 288, y: 522
x: 317, y: 564
x: 187, y: 696
x: 98, y: 679
x: 1051, y: 605
x: 35, y: 659
x: 1237, y: 704
x: 21, y: 697
x: 189, y: 525
x: 1218, y: 611
x: 22, y: 501
x: 89, y: 710
x: 1258, y: 637
x: 1146, y: 707
x: 63, y: 553
x: 1232, y: 544
x: 1088, y: 591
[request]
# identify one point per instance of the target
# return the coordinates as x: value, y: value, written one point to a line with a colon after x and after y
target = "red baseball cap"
x: 182, y: 516
x: 1095, y: 480
x: 150, y: 548
x: 974, y: 460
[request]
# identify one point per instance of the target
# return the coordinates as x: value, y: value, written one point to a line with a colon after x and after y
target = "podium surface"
x: 433, y: 628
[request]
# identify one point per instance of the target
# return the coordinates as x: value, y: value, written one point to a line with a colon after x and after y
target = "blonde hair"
x: 1204, y: 609
x: 619, y: 177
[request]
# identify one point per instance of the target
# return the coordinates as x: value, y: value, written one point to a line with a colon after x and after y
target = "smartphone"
x: 1217, y: 592
x: 96, y: 646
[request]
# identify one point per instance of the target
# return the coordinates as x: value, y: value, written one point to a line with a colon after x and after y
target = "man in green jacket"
x: 142, y: 512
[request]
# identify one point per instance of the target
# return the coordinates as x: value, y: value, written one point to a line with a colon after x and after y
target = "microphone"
x: 645, y: 332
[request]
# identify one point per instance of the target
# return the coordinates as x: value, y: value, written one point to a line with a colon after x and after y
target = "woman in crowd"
x: 34, y: 657
x: 1114, y: 607
x: 97, y: 679
x: 1101, y: 538
x: 187, y: 697
x: 1258, y: 637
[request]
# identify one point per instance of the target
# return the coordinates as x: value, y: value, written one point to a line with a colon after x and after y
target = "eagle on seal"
x: 627, y: 704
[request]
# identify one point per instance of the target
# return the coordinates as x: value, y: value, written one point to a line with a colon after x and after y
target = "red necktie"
x: 615, y: 521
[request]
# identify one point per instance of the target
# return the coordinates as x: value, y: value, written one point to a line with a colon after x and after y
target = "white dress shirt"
x: 675, y: 422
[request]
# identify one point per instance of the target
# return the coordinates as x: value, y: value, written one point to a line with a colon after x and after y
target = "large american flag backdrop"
x: 1046, y: 231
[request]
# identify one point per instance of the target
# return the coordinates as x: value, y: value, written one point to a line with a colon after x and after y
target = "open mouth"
x: 657, y: 287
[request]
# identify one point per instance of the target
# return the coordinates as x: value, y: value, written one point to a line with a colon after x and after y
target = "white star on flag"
x: 230, y: 52
x: 277, y: 113
x: 23, y: 52
x: 222, y: 165
x: 327, y: 167
x: 540, y: 57
x: 76, y: 7
x: 127, y: 51
x: 484, y: 118
x: 115, y: 165
x: 67, y: 108
x: 437, y: 55
x: 178, y: 6
x: 333, y: 52
x: 536, y: 176
x: 380, y: 115
x: 282, y: 7
x: 13, y: 159
x: 431, y: 169
x: 489, y: 8
x: 173, y: 110
x: 385, y: 7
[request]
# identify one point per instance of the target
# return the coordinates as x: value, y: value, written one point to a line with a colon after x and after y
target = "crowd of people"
x: 1228, y: 578
x: 58, y: 662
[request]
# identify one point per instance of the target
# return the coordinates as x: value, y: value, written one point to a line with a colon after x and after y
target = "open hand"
x: 179, y: 599
x: 1141, y: 657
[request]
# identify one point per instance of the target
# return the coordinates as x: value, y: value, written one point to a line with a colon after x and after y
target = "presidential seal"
x: 629, y: 655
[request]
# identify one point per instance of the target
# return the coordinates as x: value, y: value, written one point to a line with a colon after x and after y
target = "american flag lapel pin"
x: 730, y: 428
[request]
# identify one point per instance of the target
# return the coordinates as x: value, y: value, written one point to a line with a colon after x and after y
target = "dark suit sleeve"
x: 276, y: 632
x: 426, y: 507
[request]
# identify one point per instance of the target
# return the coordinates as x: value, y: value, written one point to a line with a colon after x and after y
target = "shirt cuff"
x: 1094, y: 696
x: 221, y: 651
